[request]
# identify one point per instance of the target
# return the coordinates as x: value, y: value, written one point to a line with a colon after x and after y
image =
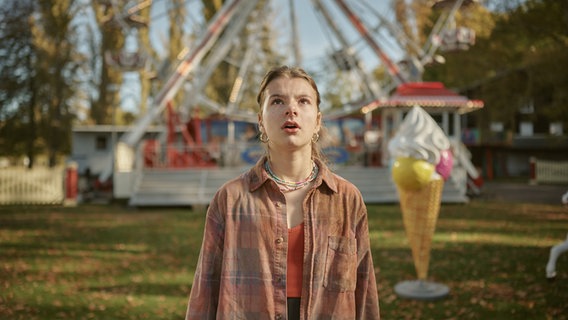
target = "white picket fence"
x: 19, y: 185
x: 545, y: 171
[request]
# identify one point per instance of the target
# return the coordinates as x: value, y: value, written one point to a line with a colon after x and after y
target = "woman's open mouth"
x: 290, y: 126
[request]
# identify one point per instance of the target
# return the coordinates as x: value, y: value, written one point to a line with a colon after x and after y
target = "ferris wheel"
x: 353, y: 29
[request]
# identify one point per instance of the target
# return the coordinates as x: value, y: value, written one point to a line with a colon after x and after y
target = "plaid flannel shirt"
x: 241, y: 271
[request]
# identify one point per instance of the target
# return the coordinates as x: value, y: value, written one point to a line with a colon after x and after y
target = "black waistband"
x: 294, y: 308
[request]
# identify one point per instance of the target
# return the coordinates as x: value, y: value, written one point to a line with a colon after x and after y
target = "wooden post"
x: 71, y: 185
x: 532, y: 180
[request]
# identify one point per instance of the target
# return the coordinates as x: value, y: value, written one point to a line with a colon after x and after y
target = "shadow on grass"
x: 126, y: 309
x: 97, y: 262
x: 486, y: 281
x: 157, y: 289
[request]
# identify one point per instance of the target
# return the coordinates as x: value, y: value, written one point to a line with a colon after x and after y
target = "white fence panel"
x: 551, y: 171
x: 31, y: 186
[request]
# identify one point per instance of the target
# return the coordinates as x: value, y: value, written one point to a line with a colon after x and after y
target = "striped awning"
x: 428, y: 95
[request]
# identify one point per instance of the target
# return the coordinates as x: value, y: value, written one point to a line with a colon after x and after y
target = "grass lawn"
x: 112, y: 262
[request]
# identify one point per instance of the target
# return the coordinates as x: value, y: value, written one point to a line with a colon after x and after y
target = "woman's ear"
x: 261, y: 129
x: 259, y: 118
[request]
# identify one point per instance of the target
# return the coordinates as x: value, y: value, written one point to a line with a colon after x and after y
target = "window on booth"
x: 101, y: 143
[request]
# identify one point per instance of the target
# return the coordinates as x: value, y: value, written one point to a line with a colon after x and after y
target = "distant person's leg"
x: 565, y: 198
x: 555, y: 252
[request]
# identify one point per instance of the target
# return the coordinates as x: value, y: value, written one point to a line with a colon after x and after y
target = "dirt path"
x: 523, y: 192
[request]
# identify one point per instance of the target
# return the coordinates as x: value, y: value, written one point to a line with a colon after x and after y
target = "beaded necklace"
x: 287, y: 186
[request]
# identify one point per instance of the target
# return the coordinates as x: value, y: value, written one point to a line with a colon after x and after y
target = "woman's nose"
x: 292, y: 109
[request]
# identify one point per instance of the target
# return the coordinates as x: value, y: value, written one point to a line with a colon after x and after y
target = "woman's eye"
x: 277, y: 101
x: 305, y: 101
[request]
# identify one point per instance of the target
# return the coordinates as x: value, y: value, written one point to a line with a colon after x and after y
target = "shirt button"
x: 279, y: 240
x: 277, y: 204
x: 279, y: 317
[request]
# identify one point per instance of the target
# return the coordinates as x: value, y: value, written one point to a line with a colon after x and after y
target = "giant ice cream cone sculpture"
x: 418, y: 148
x: 419, y: 213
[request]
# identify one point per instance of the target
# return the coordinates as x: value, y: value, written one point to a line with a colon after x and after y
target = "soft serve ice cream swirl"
x: 419, y: 137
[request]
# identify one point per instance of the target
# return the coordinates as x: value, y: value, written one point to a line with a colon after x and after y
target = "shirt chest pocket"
x: 340, y: 264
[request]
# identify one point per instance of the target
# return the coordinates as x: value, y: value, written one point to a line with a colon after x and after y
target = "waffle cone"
x: 420, y: 210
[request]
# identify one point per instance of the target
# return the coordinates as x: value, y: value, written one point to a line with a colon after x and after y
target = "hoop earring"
x: 263, y: 138
x: 315, y: 137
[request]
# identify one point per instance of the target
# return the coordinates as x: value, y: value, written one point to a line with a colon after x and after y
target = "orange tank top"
x: 295, y: 261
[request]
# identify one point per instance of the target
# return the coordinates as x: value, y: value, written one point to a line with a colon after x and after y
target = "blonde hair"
x: 292, y: 72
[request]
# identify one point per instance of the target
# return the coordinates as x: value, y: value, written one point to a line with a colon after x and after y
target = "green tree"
x: 39, y: 68
x: 147, y: 74
x: 18, y: 115
x: 177, y: 15
x: 515, y: 65
x: 219, y: 87
x: 57, y: 66
x: 111, y: 23
x: 413, y: 18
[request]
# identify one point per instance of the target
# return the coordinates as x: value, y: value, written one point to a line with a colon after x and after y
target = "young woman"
x: 288, y: 239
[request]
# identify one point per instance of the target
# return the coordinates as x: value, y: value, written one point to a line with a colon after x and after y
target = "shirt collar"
x: 257, y: 176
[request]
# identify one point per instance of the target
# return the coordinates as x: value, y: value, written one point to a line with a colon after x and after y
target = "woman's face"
x: 289, y: 115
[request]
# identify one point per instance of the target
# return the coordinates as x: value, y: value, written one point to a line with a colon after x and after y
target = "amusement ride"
x: 214, y: 145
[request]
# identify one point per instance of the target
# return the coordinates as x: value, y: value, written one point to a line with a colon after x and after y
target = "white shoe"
x: 550, y: 271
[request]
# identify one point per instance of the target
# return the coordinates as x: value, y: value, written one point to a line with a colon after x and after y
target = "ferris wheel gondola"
x: 126, y: 18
